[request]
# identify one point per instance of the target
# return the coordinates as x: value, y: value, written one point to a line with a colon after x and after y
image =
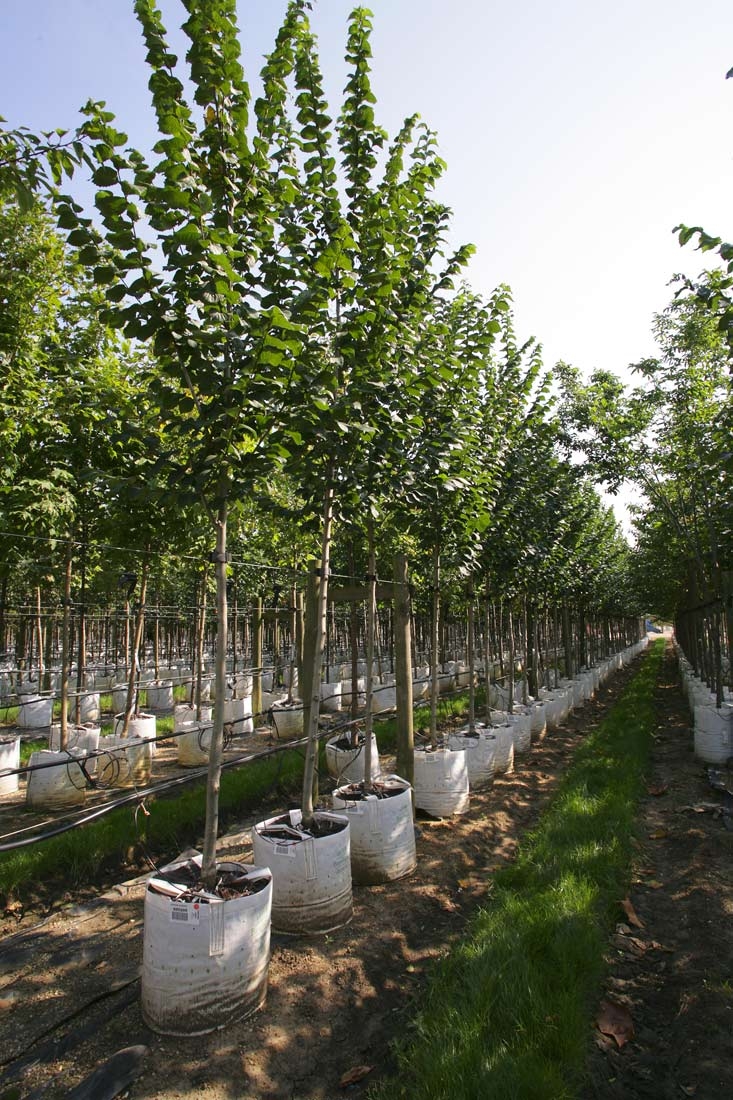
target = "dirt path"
x: 674, y: 975
x: 69, y: 992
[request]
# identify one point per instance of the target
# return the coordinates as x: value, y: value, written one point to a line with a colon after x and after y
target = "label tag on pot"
x: 216, y: 929
x: 185, y: 914
x: 311, y: 863
x: 285, y: 850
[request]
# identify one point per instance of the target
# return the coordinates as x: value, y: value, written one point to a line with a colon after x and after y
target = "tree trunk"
x: 512, y: 659
x: 65, y: 650
x: 471, y: 664
x: 434, y: 641
x: 257, y: 659
x: 39, y: 633
x: 403, y: 676
x: 134, y: 673
x: 213, y: 780
x: 371, y: 619
x: 311, y: 753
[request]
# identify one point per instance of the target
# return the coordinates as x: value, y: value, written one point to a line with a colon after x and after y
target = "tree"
x: 226, y: 351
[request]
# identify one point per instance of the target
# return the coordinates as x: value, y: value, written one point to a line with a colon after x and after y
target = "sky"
x: 577, y: 133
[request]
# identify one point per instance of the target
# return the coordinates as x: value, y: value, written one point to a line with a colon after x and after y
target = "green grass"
x: 506, y: 1013
x: 27, y: 747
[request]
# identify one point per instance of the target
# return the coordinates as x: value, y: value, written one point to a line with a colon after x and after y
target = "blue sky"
x: 577, y: 134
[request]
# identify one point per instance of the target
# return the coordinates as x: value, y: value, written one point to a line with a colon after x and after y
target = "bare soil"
x: 69, y: 986
x: 674, y: 974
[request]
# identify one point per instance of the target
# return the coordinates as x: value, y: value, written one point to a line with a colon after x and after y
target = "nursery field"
x: 70, y: 988
x: 307, y: 582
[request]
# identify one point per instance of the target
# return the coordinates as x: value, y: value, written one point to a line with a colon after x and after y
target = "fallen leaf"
x: 659, y: 834
x: 638, y: 945
x: 353, y: 1075
x: 631, y: 915
x: 654, y: 884
x: 622, y: 929
x: 658, y: 789
x: 8, y: 999
x: 689, y: 1090
x: 615, y: 1020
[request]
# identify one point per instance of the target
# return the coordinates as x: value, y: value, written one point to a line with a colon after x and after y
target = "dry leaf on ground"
x: 615, y: 1020
x: 353, y: 1075
x: 631, y: 914
x: 657, y: 789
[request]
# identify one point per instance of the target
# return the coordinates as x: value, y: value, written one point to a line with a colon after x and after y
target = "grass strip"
x: 506, y: 1012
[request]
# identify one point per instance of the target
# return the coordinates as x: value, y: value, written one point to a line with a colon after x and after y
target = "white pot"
x: 463, y: 675
x: 446, y: 682
x: 35, y: 712
x: 311, y: 876
x: 204, y: 963
x: 184, y: 716
x: 140, y: 725
x: 504, y: 759
x: 382, y: 831
x: 287, y: 677
x: 57, y: 787
x: 538, y: 721
x: 331, y: 696
x: 119, y: 697
x: 242, y: 685
x: 124, y: 761
x: 421, y: 682
x: 9, y: 764
x: 480, y: 754
x: 384, y: 697
x: 85, y: 738
x: 714, y: 733
x: 89, y: 708
x: 159, y: 695
x: 441, y: 782
x: 521, y: 730
x: 239, y: 712
x: 207, y: 687
x: 347, y: 691
x: 347, y: 764
x: 194, y: 744
x: 28, y: 688
x: 288, y: 719
x: 499, y: 696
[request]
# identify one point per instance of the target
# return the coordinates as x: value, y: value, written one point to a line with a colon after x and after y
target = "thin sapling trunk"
x: 371, y: 618
x: 213, y: 780
x: 311, y: 753
x: 434, y: 630
x: 134, y: 672
x: 65, y: 650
